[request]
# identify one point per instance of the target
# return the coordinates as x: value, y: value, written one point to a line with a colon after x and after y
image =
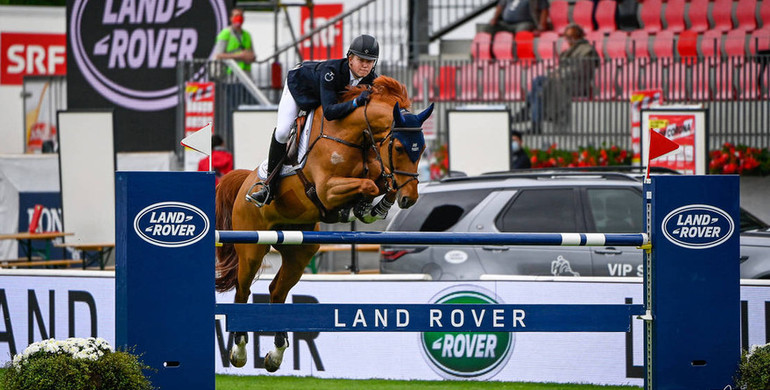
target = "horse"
x: 373, y: 151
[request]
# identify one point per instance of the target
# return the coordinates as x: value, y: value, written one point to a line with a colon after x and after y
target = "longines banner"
x: 123, y: 54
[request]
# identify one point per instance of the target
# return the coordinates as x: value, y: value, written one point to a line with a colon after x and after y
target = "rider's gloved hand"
x: 361, y: 99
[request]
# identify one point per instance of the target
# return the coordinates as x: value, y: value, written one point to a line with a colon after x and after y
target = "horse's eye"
x: 399, y: 149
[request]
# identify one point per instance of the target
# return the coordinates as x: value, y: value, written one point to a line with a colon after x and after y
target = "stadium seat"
x: 424, y: 78
x: 481, y: 46
x: 502, y: 46
x: 650, y: 15
x: 722, y: 15
x: 698, y: 15
x: 764, y: 14
x: 605, y: 79
x: 675, y: 15
x: 559, y: 14
x: 546, y: 45
x: 616, y: 45
x: 639, y: 44
x: 618, y: 73
x: 759, y: 41
x: 447, y: 82
x: 525, y: 46
x: 711, y: 44
x: 687, y: 44
x: 735, y: 44
x: 605, y: 15
x: 746, y: 15
x: 582, y: 14
x: 469, y: 87
x: 596, y: 38
x: 663, y: 44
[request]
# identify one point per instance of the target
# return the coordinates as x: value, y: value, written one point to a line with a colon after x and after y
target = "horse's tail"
x: 227, y: 259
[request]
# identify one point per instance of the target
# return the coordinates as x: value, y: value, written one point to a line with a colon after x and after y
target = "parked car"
x: 540, y: 201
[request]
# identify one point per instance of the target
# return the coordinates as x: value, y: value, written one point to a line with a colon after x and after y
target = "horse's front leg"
x: 294, y: 261
x: 337, y: 191
x: 250, y: 259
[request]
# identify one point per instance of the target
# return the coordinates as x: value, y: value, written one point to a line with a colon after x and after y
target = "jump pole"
x: 165, y: 304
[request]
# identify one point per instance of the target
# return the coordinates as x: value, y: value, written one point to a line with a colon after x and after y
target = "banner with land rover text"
x: 123, y: 54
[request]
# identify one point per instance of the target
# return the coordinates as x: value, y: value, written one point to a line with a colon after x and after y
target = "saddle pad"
x: 287, y: 170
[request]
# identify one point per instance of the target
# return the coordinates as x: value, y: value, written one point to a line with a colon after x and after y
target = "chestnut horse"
x: 373, y: 151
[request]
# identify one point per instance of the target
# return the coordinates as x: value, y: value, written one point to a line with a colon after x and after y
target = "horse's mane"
x: 383, y: 88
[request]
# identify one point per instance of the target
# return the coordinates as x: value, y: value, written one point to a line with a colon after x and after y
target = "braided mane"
x: 384, y: 88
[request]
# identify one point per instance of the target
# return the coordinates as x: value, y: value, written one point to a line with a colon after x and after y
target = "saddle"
x: 292, y: 147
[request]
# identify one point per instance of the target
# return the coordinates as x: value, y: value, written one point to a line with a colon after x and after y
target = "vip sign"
x: 327, y: 43
x: 31, y: 54
x: 127, y: 51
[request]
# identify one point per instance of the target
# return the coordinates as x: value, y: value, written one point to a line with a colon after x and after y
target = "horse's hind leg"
x: 295, y: 259
x: 249, y: 260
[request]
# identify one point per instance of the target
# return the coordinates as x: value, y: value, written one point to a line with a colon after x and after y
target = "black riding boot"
x: 266, y: 194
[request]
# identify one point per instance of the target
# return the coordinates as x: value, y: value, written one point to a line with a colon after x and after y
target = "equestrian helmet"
x: 366, y: 47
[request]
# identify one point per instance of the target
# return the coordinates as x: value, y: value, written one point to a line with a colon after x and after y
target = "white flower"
x: 79, y: 348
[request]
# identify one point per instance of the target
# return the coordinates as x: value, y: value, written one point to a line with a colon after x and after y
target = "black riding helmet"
x: 365, y: 46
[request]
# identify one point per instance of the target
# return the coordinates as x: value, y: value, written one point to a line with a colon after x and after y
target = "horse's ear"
x: 425, y: 113
x: 397, y: 116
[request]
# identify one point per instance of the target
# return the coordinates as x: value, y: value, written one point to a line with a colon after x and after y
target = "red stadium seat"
x: 698, y: 15
x: 650, y: 15
x: 616, y: 45
x: 711, y: 44
x: 604, y: 78
x: 722, y: 14
x: 502, y: 45
x: 760, y: 41
x: 639, y: 44
x: 481, y: 47
x: 581, y: 14
x: 596, y: 38
x: 447, y: 82
x: 546, y: 45
x: 558, y: 11
x: 525, y: 46
x: 687, y: 43
x: 424, y: 79
x: 735, y: 43
x: 605, y: 15
x: 663, y: 44
x: 746, y: 14
x: 764, y: 14
x: 675, y: 15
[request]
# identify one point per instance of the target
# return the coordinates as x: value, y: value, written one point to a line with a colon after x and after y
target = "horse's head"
x: 401, y: 152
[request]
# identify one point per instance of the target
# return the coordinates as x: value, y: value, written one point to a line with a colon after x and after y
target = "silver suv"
x: 539, y: 201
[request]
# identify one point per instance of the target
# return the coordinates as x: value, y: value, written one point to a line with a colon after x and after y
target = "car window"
x: 615, y: 210
x: 750, y: 222
x: 542, y: 211
x: 438, y: 211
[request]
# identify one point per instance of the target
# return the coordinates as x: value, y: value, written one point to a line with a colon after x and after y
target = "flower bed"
x: 741, y: 159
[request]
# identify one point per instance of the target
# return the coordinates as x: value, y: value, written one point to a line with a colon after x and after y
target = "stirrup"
x: 251, y: 196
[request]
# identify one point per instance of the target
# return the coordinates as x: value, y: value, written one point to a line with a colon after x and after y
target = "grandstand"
x: 712, y: 53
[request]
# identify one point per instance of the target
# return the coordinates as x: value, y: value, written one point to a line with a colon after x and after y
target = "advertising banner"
x: 327, y: 44
x: 198, y: 112
x: 23, y: 54
x: 40, y: 307
x: 686, y: 127
x: 641, y: 100
x: 124, y: 55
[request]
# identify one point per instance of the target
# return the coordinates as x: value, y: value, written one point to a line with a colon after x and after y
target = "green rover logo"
x: 457, y: 355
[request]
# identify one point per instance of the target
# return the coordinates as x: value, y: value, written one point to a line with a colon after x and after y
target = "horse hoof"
x: 271, y: 365
x: 238, y: 357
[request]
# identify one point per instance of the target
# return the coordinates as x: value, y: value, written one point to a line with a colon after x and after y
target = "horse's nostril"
x: 405, y: 202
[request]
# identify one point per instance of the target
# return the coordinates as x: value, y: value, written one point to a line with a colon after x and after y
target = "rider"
x: 314, y: 84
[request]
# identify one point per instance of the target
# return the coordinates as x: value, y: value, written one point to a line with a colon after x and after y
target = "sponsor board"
x: 697, y: 226
x: 171, y: 224
x: 28, y: 54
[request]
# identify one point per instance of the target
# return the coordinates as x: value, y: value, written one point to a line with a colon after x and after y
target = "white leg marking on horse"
x: 337, y: 158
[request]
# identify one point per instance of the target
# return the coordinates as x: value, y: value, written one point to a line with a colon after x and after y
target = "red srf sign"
x: 26, y: 54
x: 327, y: 43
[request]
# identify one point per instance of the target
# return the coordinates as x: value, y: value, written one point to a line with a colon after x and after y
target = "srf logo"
x: 479, y: 355
x: 698, y: 226
x: 171, y: 224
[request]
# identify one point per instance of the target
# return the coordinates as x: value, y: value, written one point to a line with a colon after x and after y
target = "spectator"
x: 551, y: 95
x: 221, y: 159
x: 519, y: 156
x: 235, y: 43
x: 519, y: 15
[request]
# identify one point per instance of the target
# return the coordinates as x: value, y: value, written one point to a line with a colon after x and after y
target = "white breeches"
x: 287, y: 113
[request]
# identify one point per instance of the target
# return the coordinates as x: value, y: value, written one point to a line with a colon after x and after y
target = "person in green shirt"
x: 235, y: 43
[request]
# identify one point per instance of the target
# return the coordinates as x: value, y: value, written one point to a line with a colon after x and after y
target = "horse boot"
x: 270, y: 187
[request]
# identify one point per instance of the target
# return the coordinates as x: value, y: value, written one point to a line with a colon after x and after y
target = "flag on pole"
x: 659, y: 147
x: 200, y: 141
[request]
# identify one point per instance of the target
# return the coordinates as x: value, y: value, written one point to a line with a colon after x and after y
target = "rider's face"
x: 359, y: 66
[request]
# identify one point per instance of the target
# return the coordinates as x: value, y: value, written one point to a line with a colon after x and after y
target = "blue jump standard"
x: 430, y: 238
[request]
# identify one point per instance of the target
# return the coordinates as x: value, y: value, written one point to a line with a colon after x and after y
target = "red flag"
x: 659, y: 146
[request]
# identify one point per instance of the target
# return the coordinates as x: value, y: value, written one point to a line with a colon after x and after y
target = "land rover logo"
x: 171, y: 224
x: 117, y: 43
x: 697, y: 226
x: 454, y: 355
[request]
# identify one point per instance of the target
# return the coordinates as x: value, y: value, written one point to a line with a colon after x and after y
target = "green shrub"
x: 74, y: 364
x: 754, y: 370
